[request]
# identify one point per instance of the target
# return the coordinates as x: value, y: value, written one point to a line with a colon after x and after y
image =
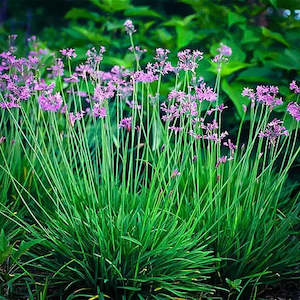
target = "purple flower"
x: 69, y: 53
x: 141, y: 76
x: 177, y: 95
x: 7, y: 105
x: 72, y: 78
x: 224, y: 53
x: 205, y: 93
x: 161, y: 54
x: 266, y: 95
x: 76, y: 117
x: 221, y: 160
x: 94, y: 57
x: 219, y: 108
x: 175, y: 129
x: 133, y: 105
x: 188, y: 60
x: 99, y: 111
x: 83, y: 70
x: 2, y: 139
x: 294, y: 110
x: 294, y: 87
x: 129, y: 27
x: 126, y: 123
x: 138, y: 51
x: 175, y: 173
x: 273, y: 131
x: 57, y: 68
x: 101, y: 93
x: 225, y: 50
x: 50, y: 102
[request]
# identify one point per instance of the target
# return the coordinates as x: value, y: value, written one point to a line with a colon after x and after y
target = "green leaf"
x: 3, y: 241
x: 234, y: 18
x: 141, y: 11
x: 230, y: 67
x: 24, y: 246
x: 250, y: 36
x: 156, y: 134
x: 275, y: 36
x: 112, y: 6
x: 184, y: 37
x: 5, y: 248
x: 288, y: 60
x: 257, y: 74
x: 92, y: 36
x: 274, y: 3
x: 128, y: 238
x: 234, y: 90
x: 80, y: 13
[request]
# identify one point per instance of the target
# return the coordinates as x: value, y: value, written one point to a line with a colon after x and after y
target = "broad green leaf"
x: 257, y: 74
x: 184, y: 37
x: 290, y: 123
x: 4, y: 255
x: 24, y: 246
x: 288, y: 60
x: 94, y: 37
x: 229, y: 68
x: 250, y: 36
x: 234, y: 18
x: 234, y: 90
x: 141, y: 11
x: 174, y: 22
x: 80, y: 13
x: 126, y: 62
x: 112, y: 6
x: 275, y: 36
x: 274, y: 3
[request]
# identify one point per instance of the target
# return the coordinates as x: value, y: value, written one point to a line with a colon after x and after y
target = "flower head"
x: 266, y: 95
x: 50, y: 102
x: 126, y: 123
x: 129, y: 27
x: 294, y: 87
x: 224, y: 53
x: 69, y: 53
x: 273, y: 131
x: 294, y: 110
x: 175, y: 173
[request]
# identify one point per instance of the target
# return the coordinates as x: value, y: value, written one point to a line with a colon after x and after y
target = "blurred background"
x: 264, y: 34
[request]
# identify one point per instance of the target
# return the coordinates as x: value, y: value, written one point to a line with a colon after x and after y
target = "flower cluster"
x: 187, y: 60
x: 266, y: 95
x: 129, y: 27
x: 273, y: 131
x: 224, y: 53
x: 294, y: 110
x: 69, y: 53
x: 294, y: 87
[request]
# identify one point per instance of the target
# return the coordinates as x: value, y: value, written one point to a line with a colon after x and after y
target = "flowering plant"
x: 134, y: 191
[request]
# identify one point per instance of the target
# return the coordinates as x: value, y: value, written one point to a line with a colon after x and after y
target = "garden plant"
x: 124, y: 183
